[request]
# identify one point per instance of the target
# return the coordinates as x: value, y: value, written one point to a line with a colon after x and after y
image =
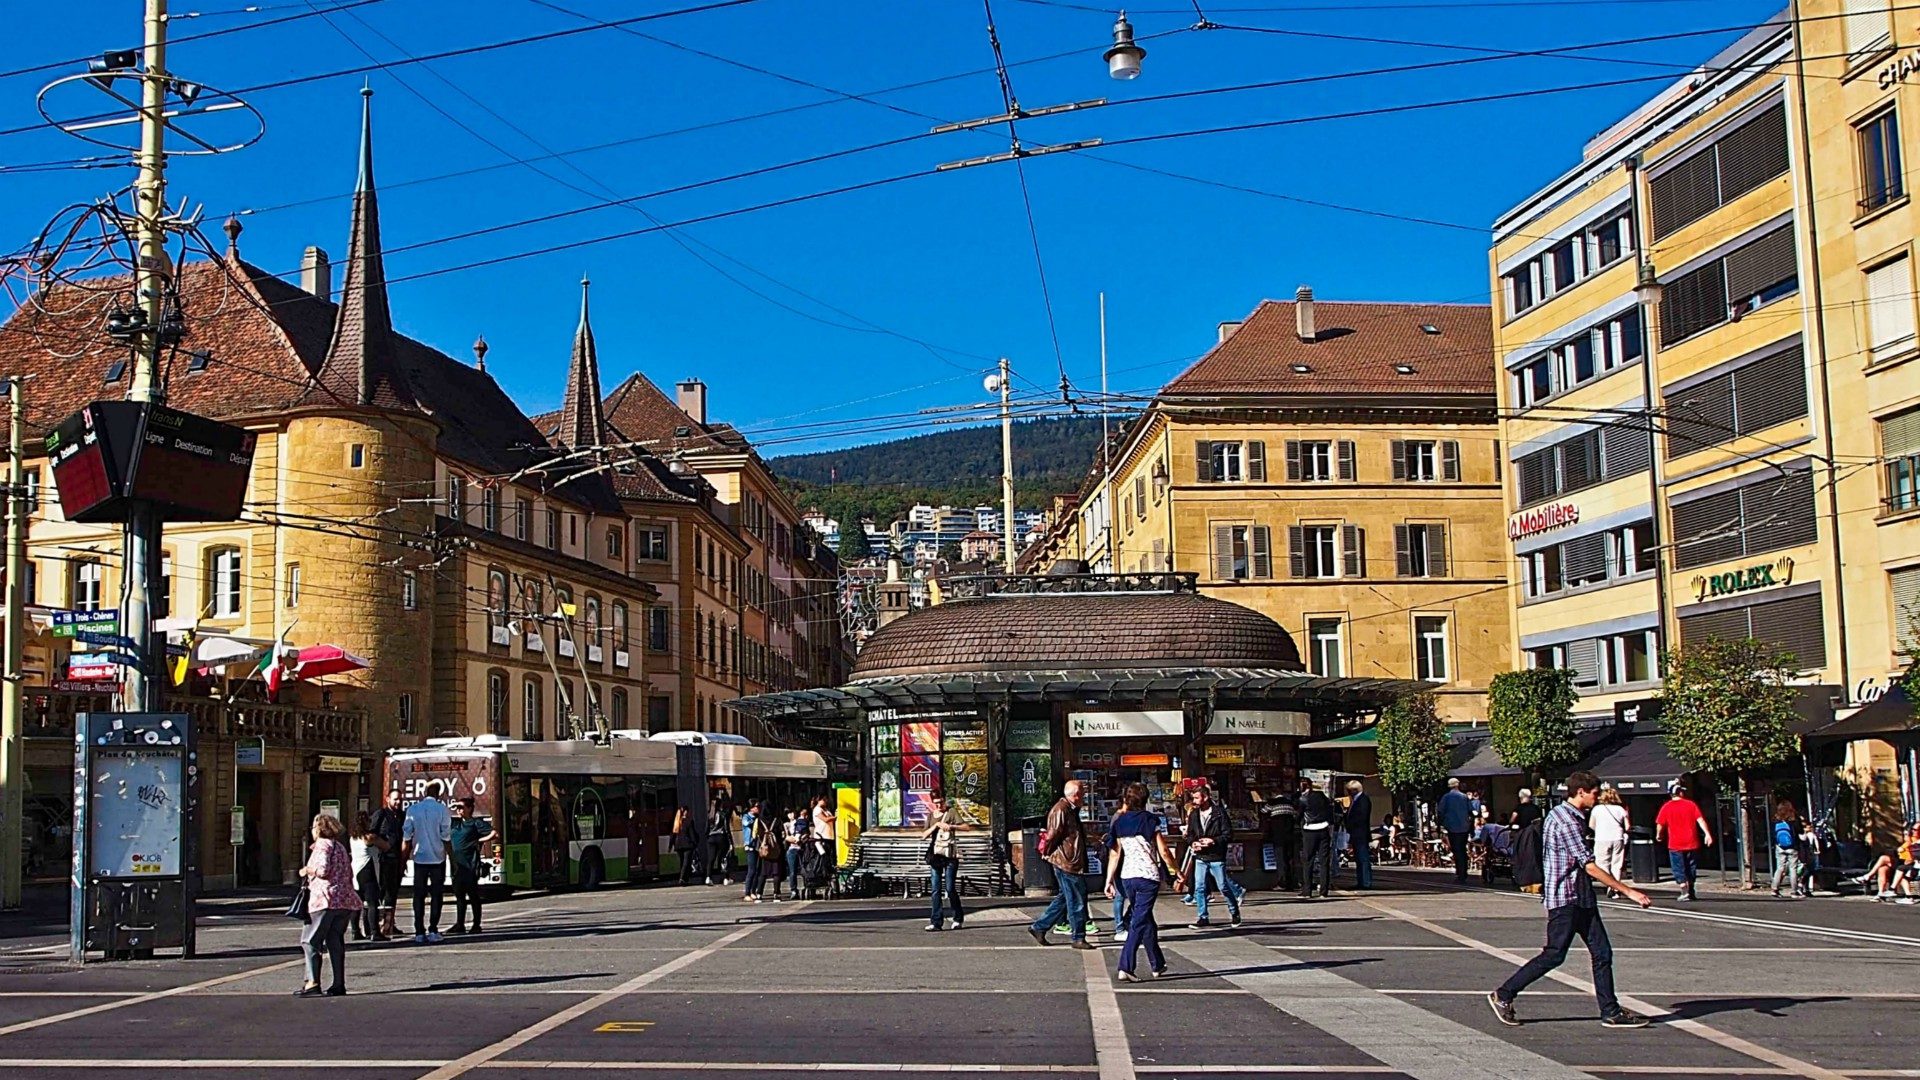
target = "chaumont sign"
x: 1542, y: 519
x: 1745, y: 579
x: 1897, y: 71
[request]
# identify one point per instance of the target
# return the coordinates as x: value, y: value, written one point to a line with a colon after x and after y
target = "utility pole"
x: 152, y: 278
x: 1006, y: 461
x: 13, y: 810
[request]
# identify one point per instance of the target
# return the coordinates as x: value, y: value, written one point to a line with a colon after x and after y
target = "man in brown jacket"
x: 1065, y: 845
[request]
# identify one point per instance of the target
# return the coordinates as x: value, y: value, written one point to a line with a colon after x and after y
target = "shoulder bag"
x: 301, y: 908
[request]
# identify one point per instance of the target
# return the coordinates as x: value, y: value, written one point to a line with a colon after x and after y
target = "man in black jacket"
x: 1208, y: 833
x: 1316, y: 840
x: 388, y: 823
x: 1359, y: 821
x: 1283, y: 832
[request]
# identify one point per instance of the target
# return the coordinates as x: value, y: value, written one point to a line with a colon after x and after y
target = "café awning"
x: 1889, y: 718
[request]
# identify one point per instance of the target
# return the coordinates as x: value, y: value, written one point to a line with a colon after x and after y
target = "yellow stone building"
x: 1332, y: 465
x: 1728, y: 269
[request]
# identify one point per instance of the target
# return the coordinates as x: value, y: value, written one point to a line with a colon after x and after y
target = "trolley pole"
x: 152, y: 277
x: 13, y: 809
x: 1006, y: 462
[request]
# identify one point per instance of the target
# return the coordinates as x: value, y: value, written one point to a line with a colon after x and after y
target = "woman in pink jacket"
x: 332, y: 905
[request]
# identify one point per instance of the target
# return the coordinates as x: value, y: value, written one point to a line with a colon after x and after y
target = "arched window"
x: 590, y: 621
x: 223, y: 583
x: 497, y: 703
x: 620, y: 639
x: 530, y: 694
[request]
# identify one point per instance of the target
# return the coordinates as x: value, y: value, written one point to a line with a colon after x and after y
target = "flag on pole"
x: 269, y: 669
x: 181, y: 663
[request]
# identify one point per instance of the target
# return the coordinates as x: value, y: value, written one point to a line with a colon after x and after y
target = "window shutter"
x: 1770, y: 392
x: 1796, y: 625
x: 1625, y: 449
x: 1779, y: 512
x: 1692, y: 302
x: 1223, y: 552
x: 1760, y: 265
x: 1721, y: 625
x: 1535, y: 476
x: 1580, y: 461
x: 1296, y: 551
x: 1262, y: 552
x: 1159, y: 556
x: 1438, y: 562
x: 1753, y: 153
x: 1700, y: 416
x: 1140, y: 497
x: 1347, y: 469
x: 1706, y: 530
x: 1402, y: 555
x: 1906, y: 608
x: 1203, y: 461
x: 1584, y: 558
x: 1450, y: 460
x: 1868, y: 25
x: 1293, y: 461
x: 1889, y: 309
x: 1687, y: 192
x: 1399, y: 452
x: 1583, y: 658
x: 1353, y: 544
x: 1257, y: 462
x: 1900, y: 435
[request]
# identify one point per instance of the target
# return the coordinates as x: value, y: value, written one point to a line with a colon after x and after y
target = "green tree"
x: 1727, y: 708
x: 854, y: 545
x: 950, y: 551
x: 1413, y: 747
x: 1530, y: 719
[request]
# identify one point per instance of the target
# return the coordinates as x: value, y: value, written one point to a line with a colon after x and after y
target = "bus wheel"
x: 593, y: 869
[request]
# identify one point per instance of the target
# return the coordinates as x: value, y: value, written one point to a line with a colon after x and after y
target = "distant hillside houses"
x: 921, y: 535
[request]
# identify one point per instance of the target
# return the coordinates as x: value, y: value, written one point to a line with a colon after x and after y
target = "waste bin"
x: 1035, y: 871
x: 1641, y: 856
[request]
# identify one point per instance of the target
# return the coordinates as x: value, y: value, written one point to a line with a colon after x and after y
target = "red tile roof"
x: 1355, y: 352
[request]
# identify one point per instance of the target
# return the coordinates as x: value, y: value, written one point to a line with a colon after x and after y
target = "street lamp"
x: 1123, y: 59
x: 1647, y: 288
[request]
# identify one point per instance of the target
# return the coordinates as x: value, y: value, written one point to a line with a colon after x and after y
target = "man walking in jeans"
x: 1065, y: 847
x: 1685, y: 830
x: 1208, y: 832
x: 1567, y: 891
x: 1457, y: 819
x: 426, y: 832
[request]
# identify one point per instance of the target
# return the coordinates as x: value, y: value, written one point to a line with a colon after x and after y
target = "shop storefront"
x: 998, y: 697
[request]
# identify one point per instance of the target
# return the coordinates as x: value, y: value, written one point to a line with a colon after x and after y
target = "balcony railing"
x: 50, y: 713
x: 978, y: 585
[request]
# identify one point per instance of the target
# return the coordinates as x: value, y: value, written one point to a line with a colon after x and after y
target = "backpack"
x: 763, y: 844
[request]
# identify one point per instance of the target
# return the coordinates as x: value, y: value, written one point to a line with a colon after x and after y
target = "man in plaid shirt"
x: 1570, y: 870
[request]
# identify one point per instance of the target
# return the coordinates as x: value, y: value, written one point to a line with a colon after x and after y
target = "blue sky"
x: 944, y: 259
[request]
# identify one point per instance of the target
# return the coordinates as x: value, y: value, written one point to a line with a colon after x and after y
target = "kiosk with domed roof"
x: 1016, y: 684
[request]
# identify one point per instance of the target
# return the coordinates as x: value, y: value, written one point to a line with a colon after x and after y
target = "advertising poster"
x: 1029, y: 785
x: 921, y: 772
x: 964, y: 736
x: 965, y: 784
x: 920, y: 738
x: 886, y: 793
x: 1029, y: 735
x: 134, y: 819
x: 886, y: 738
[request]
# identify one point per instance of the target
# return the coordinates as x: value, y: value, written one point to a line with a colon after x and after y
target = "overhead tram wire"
x: 173, y: 41
x: 686, y: 243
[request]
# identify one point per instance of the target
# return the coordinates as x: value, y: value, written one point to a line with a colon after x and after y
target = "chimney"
x: 1227, y: 329
x: 316, y: 273
x: 691, y: 396
x: 1303, y: 313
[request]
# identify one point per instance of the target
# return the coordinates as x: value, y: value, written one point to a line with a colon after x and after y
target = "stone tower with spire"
x: 581, y: 421
x: 360, y: 450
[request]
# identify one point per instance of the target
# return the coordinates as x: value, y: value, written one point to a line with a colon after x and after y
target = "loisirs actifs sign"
x: 1542, y: 519
x: 1745, y: 579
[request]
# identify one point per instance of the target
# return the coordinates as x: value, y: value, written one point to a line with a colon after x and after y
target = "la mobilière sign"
x: 1542, y: 519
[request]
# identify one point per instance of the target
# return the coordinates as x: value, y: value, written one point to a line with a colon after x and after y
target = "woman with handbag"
x: 331, y: 905
x: 1136, y: 860
x: 943, y: 862
x: 686, y: 841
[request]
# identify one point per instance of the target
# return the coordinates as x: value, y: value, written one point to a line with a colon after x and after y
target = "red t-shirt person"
x: 1680, y: 820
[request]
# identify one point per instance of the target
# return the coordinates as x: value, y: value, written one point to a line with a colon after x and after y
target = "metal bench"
x: 890, y: 860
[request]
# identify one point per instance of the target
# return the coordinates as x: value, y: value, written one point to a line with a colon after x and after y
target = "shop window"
x: 1430, y: 648
x: 1324, y: 652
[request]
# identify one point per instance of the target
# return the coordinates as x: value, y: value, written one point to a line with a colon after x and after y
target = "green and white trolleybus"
x: 577, y: 812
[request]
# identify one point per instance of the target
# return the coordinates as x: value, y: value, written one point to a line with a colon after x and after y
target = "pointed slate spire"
x: 362, y: 365
x: 581, y: 421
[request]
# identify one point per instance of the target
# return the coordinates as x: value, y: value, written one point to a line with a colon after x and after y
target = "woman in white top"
x: 1610, y: 822
x: 366, y: 847
x: 1139, y: 850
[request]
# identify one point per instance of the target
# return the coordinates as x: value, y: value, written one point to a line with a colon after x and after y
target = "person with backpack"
x: 1786, y: 850
x: 770, y: 844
